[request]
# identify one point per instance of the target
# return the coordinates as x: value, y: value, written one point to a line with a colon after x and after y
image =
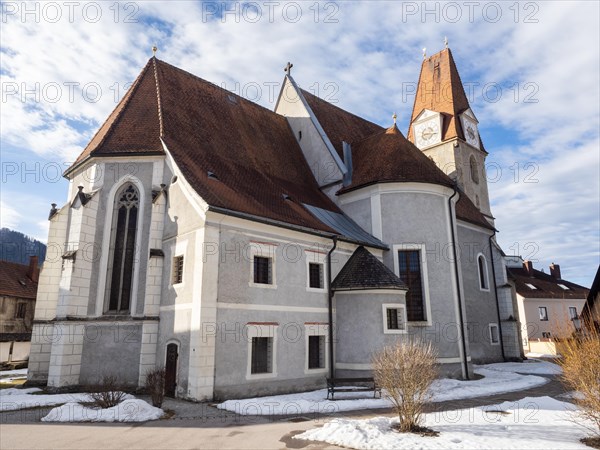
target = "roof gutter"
x: 460, y: 309
x: 330, y: 309
x: 278, y: 223
x: 496, y: 295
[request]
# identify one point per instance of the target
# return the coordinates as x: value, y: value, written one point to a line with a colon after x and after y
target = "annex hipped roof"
x: 15, y: 281
x: 364, y: 271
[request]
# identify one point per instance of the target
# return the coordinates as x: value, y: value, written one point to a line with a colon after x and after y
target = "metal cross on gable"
x: 288, y: 68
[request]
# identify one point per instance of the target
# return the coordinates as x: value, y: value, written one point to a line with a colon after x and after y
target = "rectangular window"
x: 20, y: 311
x: 494, y: 334
x: 410, y: 272
x: 394, y: 319
x: 572, y: 312
x: 315, y: 275
x: 546, y: 335
x: 263, y: 270
x: 262, y: 355
x: 178, y: 269
x: 316, y: 352
x: 543, y: 313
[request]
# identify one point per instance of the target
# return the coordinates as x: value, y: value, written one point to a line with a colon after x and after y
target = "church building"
x: 254, y: 252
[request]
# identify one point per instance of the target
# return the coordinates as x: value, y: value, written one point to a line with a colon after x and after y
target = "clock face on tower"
x: 471, y: 133
x: 427, y: 133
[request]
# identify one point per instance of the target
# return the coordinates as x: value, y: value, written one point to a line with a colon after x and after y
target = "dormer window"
x: 530, y: 286
x: 563, y: 287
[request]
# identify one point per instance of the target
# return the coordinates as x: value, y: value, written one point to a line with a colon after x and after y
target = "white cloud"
x: 369, y: 53
x: 9, y: 217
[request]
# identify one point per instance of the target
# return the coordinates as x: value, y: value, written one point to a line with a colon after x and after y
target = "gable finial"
x: 446, y: 41
x: 394, y: 116
x: 288, y: 68
x: 424, y: 53
x: 154, y: 50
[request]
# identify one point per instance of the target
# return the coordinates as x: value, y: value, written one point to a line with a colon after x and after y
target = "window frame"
x: 20, y: 306
x: 474, y: 169
x: 263, y: 250
x: 176, y: 272
x: 321, y: 330
x: 571, y: 317
x: 545, y: 309
x: 314, y: 257
x: 424, y: 278
x: 483, y: 275
x: 265, y: 330
x: 491, y: 335
x: 398, y: 306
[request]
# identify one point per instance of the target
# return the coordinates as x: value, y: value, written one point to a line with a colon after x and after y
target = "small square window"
x: 263, y: 270
x: 178, y: 269
x: 315, y: 275
x: 20, y: 311
x: 316, y: 352
x: 394, y: 320
x: 494, y: 334
x: 546, y: 335
x: 262, y: 355
x: 543, y: 313
x: 572, y: 313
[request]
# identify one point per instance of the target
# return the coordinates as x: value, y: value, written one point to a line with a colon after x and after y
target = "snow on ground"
x: 541, y: 355
x: 132, y: 410
x: 530, y: 366
x: 14, y: 399
x: 532, y: 422
x: 9, y: 376
x: 494, y: 382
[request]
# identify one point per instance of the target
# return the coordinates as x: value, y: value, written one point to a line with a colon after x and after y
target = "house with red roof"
x: 18, y: 289
x: 549, y: 306
x: 252, y: 252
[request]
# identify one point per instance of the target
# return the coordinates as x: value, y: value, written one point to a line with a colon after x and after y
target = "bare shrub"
x: 108, y: 393
x: 405, y: 371
x: 580, y: 363
x: 155, y: 385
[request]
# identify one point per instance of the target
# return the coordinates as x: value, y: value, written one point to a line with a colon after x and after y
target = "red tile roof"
x: 546, y: 285
x: 440, y: 89
x: 340, y: 125
x: 388, y: 156
x: 14, y: 281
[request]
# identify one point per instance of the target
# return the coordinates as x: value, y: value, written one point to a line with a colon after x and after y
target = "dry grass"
x: 155, y: 385
x: 405, y: 371
x: 580, y: 363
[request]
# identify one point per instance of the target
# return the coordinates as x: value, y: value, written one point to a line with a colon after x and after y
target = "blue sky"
x: 63, y: 68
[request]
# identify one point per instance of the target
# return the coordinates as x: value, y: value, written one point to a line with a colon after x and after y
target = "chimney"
x: 34, y: 271
x: 555, y: 271
x: 528, y: 266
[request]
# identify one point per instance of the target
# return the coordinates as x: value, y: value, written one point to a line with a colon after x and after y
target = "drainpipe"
x: 330, y: 294
x: 496, y: 294
x: 460, y: 312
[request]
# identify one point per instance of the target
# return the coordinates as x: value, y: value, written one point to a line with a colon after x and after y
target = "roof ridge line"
x: 158, y: 98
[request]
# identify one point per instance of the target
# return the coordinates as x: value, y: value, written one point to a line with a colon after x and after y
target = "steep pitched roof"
x: 259, y: 169
x: 365, y: 271
x: 388, y: 156
x: 441, y: 89
x: 134, y: 125
x: 340, y: 125
x: 15, y: 282
x: 546, y: 286
x: 467, y: 211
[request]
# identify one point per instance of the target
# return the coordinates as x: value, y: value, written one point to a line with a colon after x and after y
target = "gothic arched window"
x: 483, y: 273
x: 474, y: 171
x: 121, y: 259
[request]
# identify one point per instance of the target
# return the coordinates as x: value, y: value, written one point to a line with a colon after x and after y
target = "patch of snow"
x: 6, y: 373
x: 18, y: 391
x: 532, y: 422
x: 541, y: 355
x: 13, y: 401
x: 530, y: 367
x: 494, y: 382
x: 131, y: 410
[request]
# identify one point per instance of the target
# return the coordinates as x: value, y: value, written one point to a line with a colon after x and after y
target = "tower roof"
x: 440, y: 89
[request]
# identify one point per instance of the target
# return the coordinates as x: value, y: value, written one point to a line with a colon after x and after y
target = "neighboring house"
x: 18, y: 288
x: 591, y: 310
x: 253, y: 252
x: 549, y: 306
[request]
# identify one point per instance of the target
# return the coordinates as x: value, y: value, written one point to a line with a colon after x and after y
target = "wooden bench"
x: 351, y: 385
